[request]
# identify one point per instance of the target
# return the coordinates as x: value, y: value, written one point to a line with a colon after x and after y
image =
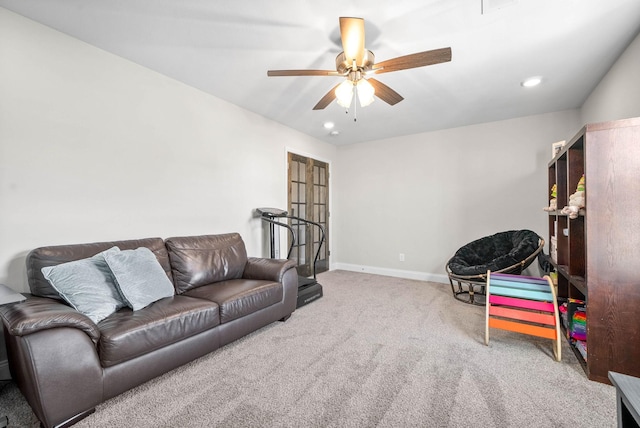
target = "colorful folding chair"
x: 523, y: 304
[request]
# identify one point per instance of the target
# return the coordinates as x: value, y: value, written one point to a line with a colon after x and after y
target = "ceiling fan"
x: 356, y: 62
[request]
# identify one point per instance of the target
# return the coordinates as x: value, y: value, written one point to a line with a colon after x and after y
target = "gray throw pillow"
x: 87, y: 285
x: 139, y: 277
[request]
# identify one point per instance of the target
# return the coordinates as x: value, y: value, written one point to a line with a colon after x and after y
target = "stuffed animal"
x: 576, y: 200
x: 553, y: 204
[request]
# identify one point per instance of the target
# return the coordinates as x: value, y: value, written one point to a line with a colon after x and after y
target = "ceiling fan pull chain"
x: 355, y: 106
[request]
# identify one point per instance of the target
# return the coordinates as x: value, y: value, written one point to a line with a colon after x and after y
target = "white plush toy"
x: 576, y: 201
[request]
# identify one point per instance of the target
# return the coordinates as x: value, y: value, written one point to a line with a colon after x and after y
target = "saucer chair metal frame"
x: 474, y: 293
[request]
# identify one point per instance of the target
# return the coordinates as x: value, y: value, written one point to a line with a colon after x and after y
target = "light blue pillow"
x: 87, y: 285
x: 139, y: 277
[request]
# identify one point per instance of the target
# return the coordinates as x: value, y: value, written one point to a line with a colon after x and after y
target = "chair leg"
x: 486, y: 311
x: 557, y: 349
x: 75, y: 419
x: 453, y: 290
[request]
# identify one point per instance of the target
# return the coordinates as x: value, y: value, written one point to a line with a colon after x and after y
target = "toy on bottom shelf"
x: 576, y: 200
x: 553, y: 204
x: 579, y: 324
x: 578, y: 331
x: 564, y: 315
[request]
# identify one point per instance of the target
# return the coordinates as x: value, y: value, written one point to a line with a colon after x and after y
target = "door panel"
x: 309, y: 199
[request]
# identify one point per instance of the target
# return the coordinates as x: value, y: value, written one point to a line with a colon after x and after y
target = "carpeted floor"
x: 374, y: 351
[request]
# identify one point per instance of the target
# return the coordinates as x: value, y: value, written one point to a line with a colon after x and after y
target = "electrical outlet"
x: 401, y: 257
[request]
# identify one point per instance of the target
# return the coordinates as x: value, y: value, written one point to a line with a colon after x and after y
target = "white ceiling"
x: 226, y: 47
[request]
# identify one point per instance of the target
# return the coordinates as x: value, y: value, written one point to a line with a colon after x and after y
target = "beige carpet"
x: 374, y: 351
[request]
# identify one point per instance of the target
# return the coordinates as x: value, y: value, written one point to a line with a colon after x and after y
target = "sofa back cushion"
x: 55, y: 255
x: 202, y: 260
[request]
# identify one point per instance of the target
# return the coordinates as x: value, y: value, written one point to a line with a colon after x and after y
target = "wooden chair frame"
x: 523, y: 304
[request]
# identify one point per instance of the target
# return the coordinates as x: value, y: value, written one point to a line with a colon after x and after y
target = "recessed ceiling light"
x: 531, y: 82
x: 328, y: 125
x: 334, y: 133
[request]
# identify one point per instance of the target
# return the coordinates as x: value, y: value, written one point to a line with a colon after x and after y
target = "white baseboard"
x: 397, y: 273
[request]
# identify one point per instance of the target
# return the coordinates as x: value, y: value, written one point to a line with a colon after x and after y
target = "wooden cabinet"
x: 598, y: 253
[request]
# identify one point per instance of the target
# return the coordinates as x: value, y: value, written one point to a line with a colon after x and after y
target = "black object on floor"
x: 308, y: 288
x: 627, y: 398
x: 308, y: 293
x: 505, y: 252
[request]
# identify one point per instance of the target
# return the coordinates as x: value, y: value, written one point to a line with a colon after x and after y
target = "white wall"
x: 94, y: 147
x: 426, y: 195
x: 617, y: 96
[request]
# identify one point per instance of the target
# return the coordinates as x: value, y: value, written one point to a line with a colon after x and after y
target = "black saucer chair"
x: 505, y: 252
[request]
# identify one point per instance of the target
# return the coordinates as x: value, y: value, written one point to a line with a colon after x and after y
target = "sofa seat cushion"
x: 128, y: 334
x: 239, y: 297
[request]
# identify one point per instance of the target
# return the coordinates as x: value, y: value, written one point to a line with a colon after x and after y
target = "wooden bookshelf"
x: 598, y: 253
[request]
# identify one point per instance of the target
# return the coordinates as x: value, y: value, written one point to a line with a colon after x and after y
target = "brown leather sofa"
x: 65, y: 364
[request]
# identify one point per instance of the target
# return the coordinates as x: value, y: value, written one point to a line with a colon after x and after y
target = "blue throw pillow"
x: 139, y: 277
x: 87, y: 285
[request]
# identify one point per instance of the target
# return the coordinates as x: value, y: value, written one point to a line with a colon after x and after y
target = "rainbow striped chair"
x: 523, y: 304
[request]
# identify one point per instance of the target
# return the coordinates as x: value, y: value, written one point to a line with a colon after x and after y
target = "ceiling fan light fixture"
x: 344, y: 93
x: 365, y: 92
x: 355, y: 62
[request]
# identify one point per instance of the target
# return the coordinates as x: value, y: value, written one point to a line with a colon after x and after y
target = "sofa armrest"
x: 38, y: 313
x: 269, y: 269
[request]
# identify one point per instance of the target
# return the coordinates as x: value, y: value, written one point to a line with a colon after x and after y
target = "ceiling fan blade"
x: 419, y: 59
x: 385, y: 93
x: 326, y: 100
x: 303, y: 73
x: 352, y: 35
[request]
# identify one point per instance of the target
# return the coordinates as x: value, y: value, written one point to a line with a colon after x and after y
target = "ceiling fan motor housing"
x: 343, y: 66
